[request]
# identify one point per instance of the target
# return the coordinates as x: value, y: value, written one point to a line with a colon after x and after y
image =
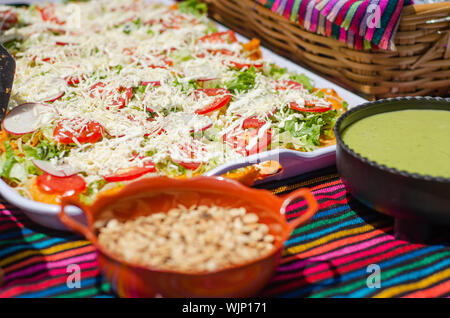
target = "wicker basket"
x: 419, y: 66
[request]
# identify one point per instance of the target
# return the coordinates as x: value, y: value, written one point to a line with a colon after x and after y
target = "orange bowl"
x: 160, y: 194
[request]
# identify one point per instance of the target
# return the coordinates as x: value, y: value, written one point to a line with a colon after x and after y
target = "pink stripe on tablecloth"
x: 337, y: 253
x: 8, y: 226
x: 40, y: 266
x: 323, y: 266
x: 303, y: 203
x: 47, y: 274
x: 330, y: 189
x: 327, y: 190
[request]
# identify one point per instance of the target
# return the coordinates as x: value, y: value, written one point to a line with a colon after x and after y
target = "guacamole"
x: 417, y: 141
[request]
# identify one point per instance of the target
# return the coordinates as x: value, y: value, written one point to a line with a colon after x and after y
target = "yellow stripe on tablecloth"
x: 47, y: 251
x: 303, y: 247
x: 393, y: 291
x: 302, y: 184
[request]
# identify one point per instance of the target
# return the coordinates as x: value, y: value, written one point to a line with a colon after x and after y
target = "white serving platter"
x: 293, y: 162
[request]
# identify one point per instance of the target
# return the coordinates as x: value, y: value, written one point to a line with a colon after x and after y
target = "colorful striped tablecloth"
x: 335, y: 255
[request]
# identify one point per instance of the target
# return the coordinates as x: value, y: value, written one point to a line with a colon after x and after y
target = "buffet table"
x: 347, y: 250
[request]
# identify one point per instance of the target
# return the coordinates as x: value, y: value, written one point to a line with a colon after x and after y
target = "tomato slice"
x: 240, y: 140
x: 189, y: 165
x: 312, y: 108
x: 45, y: 59
x: 221, y: 52
x: 163, y: 62
x: 131, y: 173
x: 61, y: 185
x: 74, y: 80
x: 121, y: 101
x: 128, y: 51
x: 190, y: 151
x: 8, y: 20
x: 157, y: 131
x: 151, y: 83
x: 252, y: 123
x: 309, y: 106
x: 48, y: 14
x: 283, y: 85
x: 219, y: 37
x: 51, y: 100
x: 88, y: 132
x: 223, y: 98
x: 248, y: 65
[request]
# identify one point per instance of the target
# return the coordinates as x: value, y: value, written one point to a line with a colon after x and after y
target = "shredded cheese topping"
x: 130, y: 66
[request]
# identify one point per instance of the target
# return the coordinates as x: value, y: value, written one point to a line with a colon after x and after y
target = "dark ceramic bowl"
x: 420, y: 204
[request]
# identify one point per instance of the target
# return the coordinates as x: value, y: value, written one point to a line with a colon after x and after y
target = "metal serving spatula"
x: 7, y: 70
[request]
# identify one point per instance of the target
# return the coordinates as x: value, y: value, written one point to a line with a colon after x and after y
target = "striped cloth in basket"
x: 363, y: 24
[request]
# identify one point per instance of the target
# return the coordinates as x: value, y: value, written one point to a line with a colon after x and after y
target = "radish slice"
x: 25, y: 118
x: 207, y: 79
x: 151, y: 83
x: 52, y: 99
x: 51, y: 90
x: 57, y: 171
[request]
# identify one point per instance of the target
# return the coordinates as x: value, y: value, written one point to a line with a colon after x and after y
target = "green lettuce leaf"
x: 193, y: 7
x: 9, y: 161
x: 244, y: 81
x: 45, y: 150
x: 276, y: 72
x: 304, y: 80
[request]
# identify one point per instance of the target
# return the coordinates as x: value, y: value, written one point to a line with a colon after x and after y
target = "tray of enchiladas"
x: 107, y: 92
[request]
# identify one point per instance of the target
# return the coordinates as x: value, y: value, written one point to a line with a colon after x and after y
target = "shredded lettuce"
x: 304, y: 80
x: 180, y: 56
x: 306, y: 131
x: 45, y: 150
x: 276, y: 72
x: 186, y: 86
x: 18, y: 173
x: 244, y: 81
x: 92, y: 189
x: 309, y: 131
x: 9, y: 161
x: 193, y: 7
x: 212, y: 28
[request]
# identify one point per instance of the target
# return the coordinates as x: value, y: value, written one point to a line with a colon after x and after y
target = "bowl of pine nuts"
x: 197, y: 237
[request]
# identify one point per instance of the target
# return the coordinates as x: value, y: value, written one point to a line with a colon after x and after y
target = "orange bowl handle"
x: 70, y: 222
x: 308, y: 214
